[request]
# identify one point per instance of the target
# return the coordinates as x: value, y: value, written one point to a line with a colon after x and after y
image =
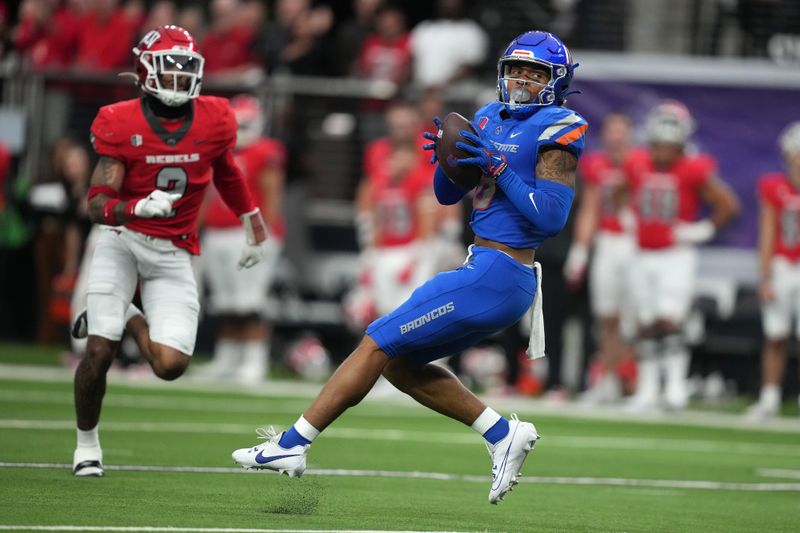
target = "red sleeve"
x: 768, y: 189
x: 589, y: 167
x: 228, y: 177
x: 105, y: 136
x: 274, y: 154
x: 705, y: 169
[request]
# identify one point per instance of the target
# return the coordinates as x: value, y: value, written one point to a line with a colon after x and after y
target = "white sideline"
x: 437, y: 476
x: 294, y: 389
x: 396, y: 435
x: 156, y: 529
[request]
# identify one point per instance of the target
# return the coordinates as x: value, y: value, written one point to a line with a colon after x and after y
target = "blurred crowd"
x: 244, y: 40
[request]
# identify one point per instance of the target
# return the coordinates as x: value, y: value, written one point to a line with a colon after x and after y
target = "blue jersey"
x: 494, y: 217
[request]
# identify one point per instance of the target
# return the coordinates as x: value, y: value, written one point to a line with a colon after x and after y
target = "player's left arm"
x: 548, y: 202
x: 724, y: 206
x: 230, y: 183
x: 723, y: 200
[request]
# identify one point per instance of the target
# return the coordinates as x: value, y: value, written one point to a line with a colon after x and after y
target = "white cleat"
x: 271, y: 456
x: 87, y: 462
x: 508, y: 455
x: 760, y: 412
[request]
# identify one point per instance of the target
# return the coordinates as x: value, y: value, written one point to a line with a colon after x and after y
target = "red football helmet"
x: 169, y: 65
x: 249, y: 118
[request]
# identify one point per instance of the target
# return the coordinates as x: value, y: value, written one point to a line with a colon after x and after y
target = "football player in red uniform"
x: 666, y: 187
x: 599, y: 223
x: 157, y: 154
x: 239, y: 299
x: 779, y: 261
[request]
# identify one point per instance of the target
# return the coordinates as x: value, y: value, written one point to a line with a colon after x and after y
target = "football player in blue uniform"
x: 527, y: 145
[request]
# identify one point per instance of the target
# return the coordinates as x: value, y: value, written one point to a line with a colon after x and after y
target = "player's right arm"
x: 106, y: 208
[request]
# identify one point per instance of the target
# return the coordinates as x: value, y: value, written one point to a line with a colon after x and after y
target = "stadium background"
x: 734, y: 63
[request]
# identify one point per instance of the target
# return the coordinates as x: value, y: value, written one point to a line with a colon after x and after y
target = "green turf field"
x: 382, y: 467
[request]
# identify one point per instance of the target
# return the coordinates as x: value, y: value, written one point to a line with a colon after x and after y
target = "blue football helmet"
x: 541, y: 49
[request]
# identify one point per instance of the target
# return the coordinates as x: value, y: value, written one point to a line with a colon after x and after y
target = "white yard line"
x: 778, y: 472
x: 467, y: 438
x: 438, y: 476
x: 156, y: 529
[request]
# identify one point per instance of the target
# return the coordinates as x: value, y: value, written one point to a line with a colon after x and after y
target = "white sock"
x: 770, y: 395
x: 305, y: 429
x: 254, y: 365
x: 648, y: 380
x: 89, y: 438
x: 485, y: 421
x: 675, y: 359
x: 226, y: 358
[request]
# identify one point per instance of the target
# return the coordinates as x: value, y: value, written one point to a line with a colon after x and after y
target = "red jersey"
x: 378, y: 151
x: 395, y: 203
x: 383, y: 60
x: 776, y: 190
x: 597, y: 169
x: 176, y: 160
x: 663, y: 198
x: 253, y: 160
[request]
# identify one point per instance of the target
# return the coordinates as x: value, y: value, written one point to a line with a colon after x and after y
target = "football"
x: 467, y: 176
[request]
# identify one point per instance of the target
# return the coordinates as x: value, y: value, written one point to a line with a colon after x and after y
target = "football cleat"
x: 508, y: 455
x: 80, y: 328
x: 87, y: 462
x: 272, y: 456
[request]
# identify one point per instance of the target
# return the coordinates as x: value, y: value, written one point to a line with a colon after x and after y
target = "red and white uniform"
x: 665, y: 270
x: 244, y: 291
x: 399, y: 265
x: 613, y: 247
x: 157, y: 251
x: 778, y: 192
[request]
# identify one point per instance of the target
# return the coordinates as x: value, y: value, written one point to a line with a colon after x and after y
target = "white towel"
x: 536, y: 340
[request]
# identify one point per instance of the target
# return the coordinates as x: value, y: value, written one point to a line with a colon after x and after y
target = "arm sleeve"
x: 447, y: 192
x: 230, y: 183
x: 545, y: 205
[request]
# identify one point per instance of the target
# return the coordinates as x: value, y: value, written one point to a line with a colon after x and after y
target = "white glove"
x: 156, y: 204
x: 575, y: 265
x: 251, y: 254
x: 694, y: 232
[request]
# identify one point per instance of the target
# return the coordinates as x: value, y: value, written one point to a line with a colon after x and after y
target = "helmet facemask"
x: 172, y: 76
x: 525, y: 99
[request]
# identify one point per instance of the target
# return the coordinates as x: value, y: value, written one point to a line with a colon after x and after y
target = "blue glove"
x: 433, y: 137
x: 485, y: 156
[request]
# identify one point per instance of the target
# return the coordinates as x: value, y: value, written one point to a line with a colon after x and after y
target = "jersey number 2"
x: 172, y: 179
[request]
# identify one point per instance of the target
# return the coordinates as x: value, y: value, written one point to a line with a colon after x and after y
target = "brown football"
x: 467, y: 176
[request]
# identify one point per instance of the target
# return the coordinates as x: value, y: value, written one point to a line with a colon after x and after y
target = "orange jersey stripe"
x: 572, y: 135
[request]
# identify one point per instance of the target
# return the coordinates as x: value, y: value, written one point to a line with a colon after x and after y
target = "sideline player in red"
x: 239, y: 299
x: 599, y: 223
x: 779, y: 260
x: 157, y: 154
x: 667, y: 185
